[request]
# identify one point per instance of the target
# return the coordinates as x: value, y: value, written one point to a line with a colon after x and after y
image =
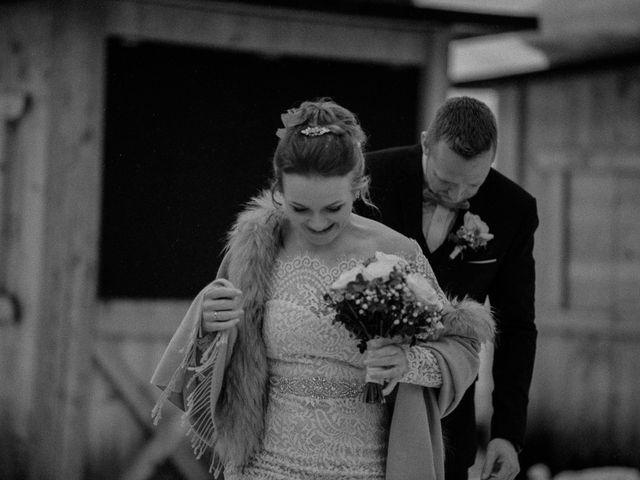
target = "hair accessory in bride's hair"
x: 291, y: 118
x: 315, y: 131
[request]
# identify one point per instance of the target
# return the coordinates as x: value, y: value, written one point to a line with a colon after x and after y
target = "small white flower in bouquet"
x: 385, y: 297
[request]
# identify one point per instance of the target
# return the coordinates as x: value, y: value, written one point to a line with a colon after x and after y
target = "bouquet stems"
x: 372, y: 393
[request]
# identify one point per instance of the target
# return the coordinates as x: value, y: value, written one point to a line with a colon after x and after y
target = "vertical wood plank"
x: 24, y: 60
x: 12, y: 106
x: 510, y: 120
x: 625, y: 421
x: 625, y: 256
x: 72, y: 192
x: 627, y: 107
x: 434, y: 81
x: 591, y: 237
x: 549, y: 250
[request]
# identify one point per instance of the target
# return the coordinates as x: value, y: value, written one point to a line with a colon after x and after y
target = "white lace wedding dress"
x: 316, y: 426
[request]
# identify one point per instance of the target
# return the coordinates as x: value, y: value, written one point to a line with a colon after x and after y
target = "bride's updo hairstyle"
x: 321, y: 138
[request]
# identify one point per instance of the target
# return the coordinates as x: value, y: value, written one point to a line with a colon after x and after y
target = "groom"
x: 424, y: 191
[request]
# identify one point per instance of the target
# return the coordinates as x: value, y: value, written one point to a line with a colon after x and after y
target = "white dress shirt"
x: 436, y: 219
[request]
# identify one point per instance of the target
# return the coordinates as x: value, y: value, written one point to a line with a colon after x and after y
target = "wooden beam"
x: 143, y: 320
x: 273, y: 31
x: 64, y: 318
x: 137, y: 397
x: 169, y: 440
x: 571, y: 18
x: 169, y: 437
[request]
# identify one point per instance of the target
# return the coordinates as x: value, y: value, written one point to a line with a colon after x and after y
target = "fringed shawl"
x: 415, y: 450
x: 224, y: 392
x: 232, y: 373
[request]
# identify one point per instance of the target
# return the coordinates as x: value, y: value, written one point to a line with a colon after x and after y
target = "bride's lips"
x: 320, y: 232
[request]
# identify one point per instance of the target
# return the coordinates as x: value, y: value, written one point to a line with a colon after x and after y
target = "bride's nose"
x: 318, y: 222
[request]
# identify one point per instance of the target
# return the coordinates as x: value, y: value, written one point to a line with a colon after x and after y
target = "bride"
x: 266, y: 379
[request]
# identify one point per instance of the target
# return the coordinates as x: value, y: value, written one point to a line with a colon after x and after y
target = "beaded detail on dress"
x: 316, y: 426
x: 315, y: 387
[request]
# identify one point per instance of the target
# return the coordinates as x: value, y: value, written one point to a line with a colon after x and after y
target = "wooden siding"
x: 24, y: 63
x: 581, y: 159
x: 70, y: 239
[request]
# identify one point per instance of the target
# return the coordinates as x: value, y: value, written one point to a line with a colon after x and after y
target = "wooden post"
x: 510, y: 114
x: 434, y: 81
x: 12, y: 106
x: 58, y: 423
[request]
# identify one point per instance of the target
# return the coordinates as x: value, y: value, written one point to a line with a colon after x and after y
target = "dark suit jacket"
x: 505, y: 273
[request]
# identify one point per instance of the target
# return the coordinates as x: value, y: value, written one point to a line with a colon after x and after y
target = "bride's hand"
x: 386, y: 362
x: 221, y: 307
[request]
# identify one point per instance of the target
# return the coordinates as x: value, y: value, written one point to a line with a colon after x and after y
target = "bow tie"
x: 431, y: 197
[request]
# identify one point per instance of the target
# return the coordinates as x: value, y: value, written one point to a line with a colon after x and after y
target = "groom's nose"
x: 457, y: 192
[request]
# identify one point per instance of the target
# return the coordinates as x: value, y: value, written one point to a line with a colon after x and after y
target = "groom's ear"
x: 423, y: 141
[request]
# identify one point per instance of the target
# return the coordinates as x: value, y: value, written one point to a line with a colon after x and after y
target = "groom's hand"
x: 501, y: 461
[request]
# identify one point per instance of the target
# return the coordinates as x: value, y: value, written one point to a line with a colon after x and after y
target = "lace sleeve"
x: 423, y: 367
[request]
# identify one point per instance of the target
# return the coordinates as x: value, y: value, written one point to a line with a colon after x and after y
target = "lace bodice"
x: 302, y: 342
x: 316, y: 426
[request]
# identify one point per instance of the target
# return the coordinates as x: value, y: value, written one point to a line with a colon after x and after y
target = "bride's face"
x: 318, y: 208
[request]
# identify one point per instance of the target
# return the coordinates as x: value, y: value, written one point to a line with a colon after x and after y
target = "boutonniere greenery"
x: 473, y: 235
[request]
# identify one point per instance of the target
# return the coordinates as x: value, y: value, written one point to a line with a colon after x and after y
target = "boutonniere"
x: 473, y: 234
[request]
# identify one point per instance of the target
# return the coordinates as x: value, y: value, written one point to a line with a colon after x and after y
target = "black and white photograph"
x: 320, y: 240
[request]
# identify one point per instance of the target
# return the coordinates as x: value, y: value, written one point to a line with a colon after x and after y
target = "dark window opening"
x: 189, y: 133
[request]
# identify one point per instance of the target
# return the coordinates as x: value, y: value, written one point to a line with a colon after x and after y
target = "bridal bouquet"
x: 384, y: 297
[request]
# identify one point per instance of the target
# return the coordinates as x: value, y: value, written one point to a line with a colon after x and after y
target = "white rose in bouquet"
x: 423, y: 290
x: 389, y: 258
x: 382, y: 267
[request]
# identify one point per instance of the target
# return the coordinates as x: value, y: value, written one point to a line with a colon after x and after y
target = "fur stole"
x: 252, y: 248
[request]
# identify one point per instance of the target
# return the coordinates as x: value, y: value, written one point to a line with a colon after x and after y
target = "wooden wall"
x: 24, y: 64
x: 51, y: 169
x: 577, y: 149
x: 75, y: 368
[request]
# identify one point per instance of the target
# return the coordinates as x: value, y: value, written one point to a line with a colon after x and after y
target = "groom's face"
x: 452, y: 176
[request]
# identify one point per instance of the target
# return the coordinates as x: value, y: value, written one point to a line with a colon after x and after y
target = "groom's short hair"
x: 466, y: 124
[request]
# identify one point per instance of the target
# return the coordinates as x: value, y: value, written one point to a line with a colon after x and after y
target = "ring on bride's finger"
x: 215, y: 315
